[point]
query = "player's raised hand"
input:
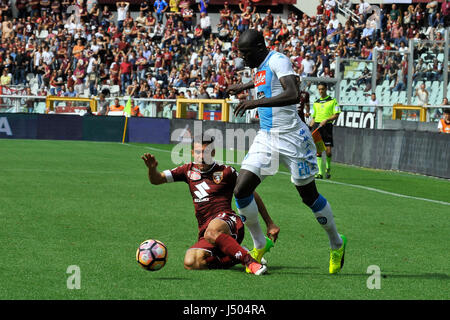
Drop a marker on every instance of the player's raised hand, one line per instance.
(150, 160)
(272, 232)
(234, 89)
(243, 106)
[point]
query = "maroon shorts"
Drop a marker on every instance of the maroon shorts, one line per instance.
(236, 226)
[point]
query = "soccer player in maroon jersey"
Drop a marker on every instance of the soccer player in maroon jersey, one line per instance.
(221, 230)
(303, 106)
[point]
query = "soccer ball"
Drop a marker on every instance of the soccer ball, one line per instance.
(151, 255)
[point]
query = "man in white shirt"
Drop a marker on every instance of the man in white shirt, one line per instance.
(217, 58)
(403, 48)
(47, 56)
(364, 8)
(378, 45)
(329, 7)
(122, 9)
(422, 95)
(334, 22)
(308, 66)
(373, 102)
(194, 58)
(205, 24)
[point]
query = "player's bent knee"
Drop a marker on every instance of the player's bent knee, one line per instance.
(239, 192)
(246, 183)
(195, 259)
(189, 262)
(308, 193)
(215, 228)
(211, 235)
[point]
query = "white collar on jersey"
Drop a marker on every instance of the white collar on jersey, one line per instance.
(267, 57)
(198, 170)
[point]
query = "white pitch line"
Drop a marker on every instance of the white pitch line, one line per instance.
(380, 191)
(348, 185)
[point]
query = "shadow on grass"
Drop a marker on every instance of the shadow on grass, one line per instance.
(342, 274)
(430, 276)
(303, 270)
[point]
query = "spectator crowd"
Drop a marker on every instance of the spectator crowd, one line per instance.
(75, 47)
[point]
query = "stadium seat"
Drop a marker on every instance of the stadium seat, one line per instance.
(378, 90)
(387, 111)
(86, 93)
(385, 84)
(105, 87)
(402, 98)
(352, 99)
(386, 98)
(394, 97)
(435, 86)
(114, 90)
(361, 66)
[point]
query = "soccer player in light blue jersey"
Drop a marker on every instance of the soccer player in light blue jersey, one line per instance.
(282, 137)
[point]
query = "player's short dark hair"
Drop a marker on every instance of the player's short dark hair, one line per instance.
(322, 84)
(253, 36)
(447, 110)
(204, 138)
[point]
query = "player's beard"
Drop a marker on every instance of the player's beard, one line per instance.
(203, 166)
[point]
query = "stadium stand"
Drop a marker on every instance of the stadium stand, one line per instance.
(89, 52)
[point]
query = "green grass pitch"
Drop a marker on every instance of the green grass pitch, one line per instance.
(89, 204)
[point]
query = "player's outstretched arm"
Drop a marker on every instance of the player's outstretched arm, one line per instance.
(272, 229)
(234, 89)
(290, 95)
(154, 175)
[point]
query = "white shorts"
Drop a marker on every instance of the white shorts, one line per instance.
(296, 150)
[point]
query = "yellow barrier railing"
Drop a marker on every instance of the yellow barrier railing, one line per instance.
(182, 105)
(50, 102)
(398, 110)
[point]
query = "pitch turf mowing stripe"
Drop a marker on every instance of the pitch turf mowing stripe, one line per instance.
(378, 190)
(342, 183)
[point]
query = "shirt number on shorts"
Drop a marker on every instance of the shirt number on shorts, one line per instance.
(303, 168)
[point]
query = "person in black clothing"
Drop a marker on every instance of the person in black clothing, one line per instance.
(21, 62)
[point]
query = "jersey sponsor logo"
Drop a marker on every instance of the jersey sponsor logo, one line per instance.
(194, 176)
(261, 95)
(218, 176)
(260, 78)
(201, 193)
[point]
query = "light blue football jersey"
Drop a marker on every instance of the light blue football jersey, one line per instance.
(267, 85)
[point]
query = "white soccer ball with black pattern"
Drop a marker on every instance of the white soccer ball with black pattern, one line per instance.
(151, 255)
